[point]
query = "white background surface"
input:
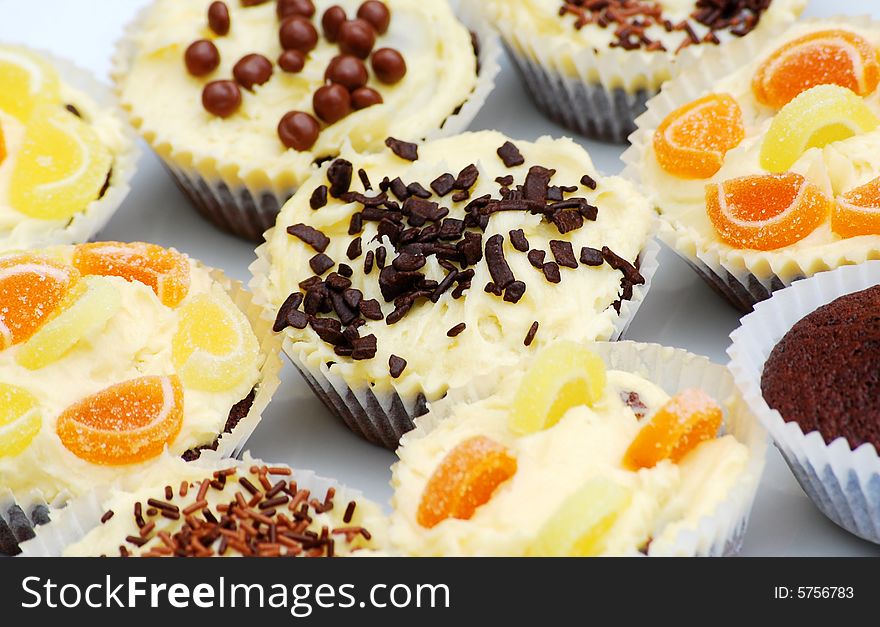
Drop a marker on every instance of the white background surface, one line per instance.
(680, 310)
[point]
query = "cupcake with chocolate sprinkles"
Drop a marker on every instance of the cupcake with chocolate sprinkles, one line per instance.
(224, 509)
(112, 354)
(592, 65)
(66, 155)
(263, 91)
(395, 276)
(582, 450)
(807, 364)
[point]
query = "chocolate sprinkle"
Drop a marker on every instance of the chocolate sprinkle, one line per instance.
(365, 180)
(339, 174)
(510, 155)
(291, 304)
(456, 330)
(589, 182)
(530, 336)
(354, 249)
(501, 273)
(630, 273)
(319, 198)
(536, 258)
(519, 241)
(404, 150)
(396, 366)
(311, 236)
(551, 272)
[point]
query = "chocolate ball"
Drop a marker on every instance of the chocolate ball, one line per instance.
(218, 18)
(333, 18)
(348, 71)
(298, 130)
(221, 98)
(332, 103)
(286, 8)
(292, 61)
(252, 69)
(377, 14)
(357, 37)
(388, 65)
(364, 97)
(201, 57)
(297, 33)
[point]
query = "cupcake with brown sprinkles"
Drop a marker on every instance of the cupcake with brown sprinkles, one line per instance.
(232, 509)
(592, 65)
(394, 276)
(262, 91)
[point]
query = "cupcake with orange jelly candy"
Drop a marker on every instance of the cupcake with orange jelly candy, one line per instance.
(598, 449)
(111, 354)
(762, 162)
(66, 157)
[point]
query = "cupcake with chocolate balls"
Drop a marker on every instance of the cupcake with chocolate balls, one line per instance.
(394, 276)
(263, 92)
(592, 66)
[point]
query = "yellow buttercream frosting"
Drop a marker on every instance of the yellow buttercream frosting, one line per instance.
(588, 443)
(135, 342)
(437, 48)
(579, 308)
(836, 169)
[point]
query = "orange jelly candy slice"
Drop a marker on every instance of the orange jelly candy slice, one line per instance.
(830, 57)
(164, 270)
(126, 423)
(858, 212)
(766, 212)
(686, 420)
(692, 141)
(465, 479)
(31, 289)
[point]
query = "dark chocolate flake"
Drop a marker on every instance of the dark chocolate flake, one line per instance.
(364, 348)
(519, 241)
(443, 184)
(310, 235)
(510, 155)
(356, 225)
(630, 273)
(467, 178)
(501, 273)
(320, 263)
(396, 366)
(318, 198)
(530, 336)
(404, 150)
(514, 292)
(371, 309)
(536, 258)
(551, 272)
(563, 253)
(456, 330)
(290, 304)
(354, 249)
(345, 270)
(588, 181)
(416, 189)
(339, 174)
(537, 182)
(591, 256)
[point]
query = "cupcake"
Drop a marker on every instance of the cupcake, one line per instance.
(395, 276)
(222, 509)
(582, 450)
(262, 92)
(806, 365)
(112, 354)
(761, 162)
(592, 66)
(66, 158)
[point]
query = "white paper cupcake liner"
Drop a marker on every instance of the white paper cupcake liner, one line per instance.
(598, 93)
(744, 277)
(843, 483)
(382, 418)
(78, 518)
(86, 225)
(674, 370)
(220, 190)
(21, 513)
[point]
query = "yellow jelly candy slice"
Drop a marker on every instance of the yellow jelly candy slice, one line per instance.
(2, 145)
(26, 81)
(214, 345)
(61, 168)
(20, 419)
(563, 375)
(96, 301)
(580, 525)
(818, 117)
